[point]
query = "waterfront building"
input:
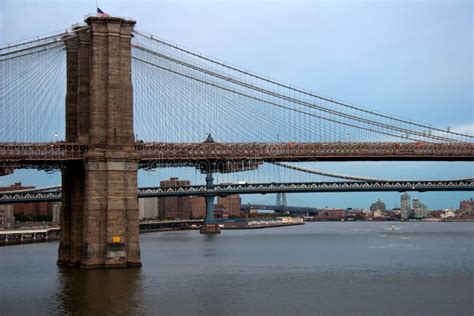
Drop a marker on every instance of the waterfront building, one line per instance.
(7, 219)
(330, 215)
(197, 206)
(230, 203)
(175, 206)
(378, 206)
(448, 213)
(420, 210)
(378, 214)
(405, 206)
(180, 207)
(148, 208)
(466, 207)
(56, 212)
(33, 209)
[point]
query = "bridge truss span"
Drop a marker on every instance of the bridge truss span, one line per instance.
(54, 194)
(306, 187)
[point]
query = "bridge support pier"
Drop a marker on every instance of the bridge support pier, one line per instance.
(210, 225)
(70, 246)
(99, 222)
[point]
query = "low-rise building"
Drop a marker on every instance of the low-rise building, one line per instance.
(378, 213)
(448, 213)
(330, 215)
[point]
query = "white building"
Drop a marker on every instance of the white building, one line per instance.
(448, 213)
(405, 206)
(148, 208)
(56, 212)
(379, 213)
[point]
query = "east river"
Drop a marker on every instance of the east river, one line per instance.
(327, 268)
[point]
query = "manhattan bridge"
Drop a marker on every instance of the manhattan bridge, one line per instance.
(119, 100)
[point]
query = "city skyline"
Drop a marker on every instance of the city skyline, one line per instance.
(310, 141)
(426, 68)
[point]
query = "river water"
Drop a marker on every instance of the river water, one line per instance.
(326, 268)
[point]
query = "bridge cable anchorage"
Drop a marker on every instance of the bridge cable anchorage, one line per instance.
(296, 90)
(403, 131)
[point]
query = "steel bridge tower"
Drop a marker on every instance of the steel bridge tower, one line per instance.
(281, 200)
(99, 222)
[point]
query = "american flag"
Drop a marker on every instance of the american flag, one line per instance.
(101, 13)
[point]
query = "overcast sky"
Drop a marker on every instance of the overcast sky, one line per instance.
(412, 59)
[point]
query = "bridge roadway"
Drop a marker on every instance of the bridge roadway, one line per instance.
(42, 155)
(259, 188)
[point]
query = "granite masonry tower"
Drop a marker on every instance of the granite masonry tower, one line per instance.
(99, 222)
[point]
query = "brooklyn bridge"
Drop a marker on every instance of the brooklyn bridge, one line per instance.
(134, 101)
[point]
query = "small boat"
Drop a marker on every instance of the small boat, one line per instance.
(394, 228)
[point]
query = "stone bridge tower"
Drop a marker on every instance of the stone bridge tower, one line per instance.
(99, 222)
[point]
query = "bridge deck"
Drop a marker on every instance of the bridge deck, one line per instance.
(35, 155)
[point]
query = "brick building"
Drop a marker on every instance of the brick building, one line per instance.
(466, 207)
(330, 215)
(175, 206)
(180, 207)
(230, 204)
(197, 206)
(36, 209)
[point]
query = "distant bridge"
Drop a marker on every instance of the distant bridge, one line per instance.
(54, 193)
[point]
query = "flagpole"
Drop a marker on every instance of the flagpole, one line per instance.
(96, 5)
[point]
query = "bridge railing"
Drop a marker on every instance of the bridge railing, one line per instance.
(41, 151)
(192, 153)
(292, 151)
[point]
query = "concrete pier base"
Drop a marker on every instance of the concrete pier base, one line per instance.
(210, 229)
